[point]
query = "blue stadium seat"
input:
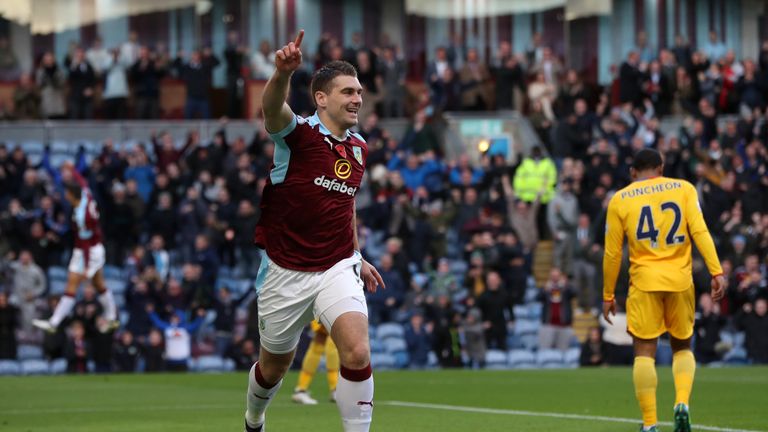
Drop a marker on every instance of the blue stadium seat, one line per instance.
(521, 312)
(9, 367)
(736, 356)
(209, 363)
(57, 287)
(393, 345)
(739, 338)
(535, 310)
(113, 272)
(59, 366)
(57, 273)
(530, 341)
(530, 294)
(378, 346)
(117, 286)
(402, 359)
(549, 358)
(390, 330)
(35, 367)
(29, 352)
(521, 359)
(459, 267)
(383, 361)
(229, 365)
(432, 361)
(572, 357)
(496, 359)
(527, 327)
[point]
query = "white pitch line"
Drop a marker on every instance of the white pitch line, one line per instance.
(542, 414)
(97, 409)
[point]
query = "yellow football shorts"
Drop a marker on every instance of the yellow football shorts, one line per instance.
(652, 313)
(317, 327)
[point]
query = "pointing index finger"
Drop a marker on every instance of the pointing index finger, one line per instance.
(299, 38)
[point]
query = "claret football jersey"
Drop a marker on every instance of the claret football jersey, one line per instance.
(308, 201)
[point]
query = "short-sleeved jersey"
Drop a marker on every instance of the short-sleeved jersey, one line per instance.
(308, 201)
(85, 217)
(659, 216)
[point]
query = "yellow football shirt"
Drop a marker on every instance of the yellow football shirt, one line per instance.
(659, 216)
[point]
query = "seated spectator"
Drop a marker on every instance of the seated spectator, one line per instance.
(619, 348)
(709, 323)
(101, 337)
(753, 320)
(556, 297)
(77, 349)
(593, 350)
(178, 338)
(153, 352)
(383, 303)
(9, 322)
(224, 324)
(543, 93)
(244, 354)
(418, 338)
(125, 354)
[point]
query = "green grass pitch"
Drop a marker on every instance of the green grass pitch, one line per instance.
(530, 400)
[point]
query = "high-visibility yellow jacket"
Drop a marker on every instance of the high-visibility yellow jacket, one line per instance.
(531, 176)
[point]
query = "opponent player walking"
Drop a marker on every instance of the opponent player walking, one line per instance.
(660, 216)
(321, 344)
(88, 255)
(311, 265)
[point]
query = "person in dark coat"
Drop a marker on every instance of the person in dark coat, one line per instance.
(709, 322)
(754, 322)
(493, 305)
(630, 80)
(125, 354)
(82, 80)
(196, 74)
(153, 352)
(593, 350)
(9, 322)
(418, 338)
(226, 310)
(77, 350)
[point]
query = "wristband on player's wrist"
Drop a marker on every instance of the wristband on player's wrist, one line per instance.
(608, 300)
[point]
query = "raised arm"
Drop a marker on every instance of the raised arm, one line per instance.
(277, 113)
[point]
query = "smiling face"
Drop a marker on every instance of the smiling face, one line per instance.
(341, 103)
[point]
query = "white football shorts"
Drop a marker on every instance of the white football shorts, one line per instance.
(96, 260)
(288, 299)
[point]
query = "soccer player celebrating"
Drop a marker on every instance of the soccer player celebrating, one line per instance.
(88, 255)
(311, 265)
(659, 216)
(321, 344)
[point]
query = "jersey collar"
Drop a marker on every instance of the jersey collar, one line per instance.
(315, 120)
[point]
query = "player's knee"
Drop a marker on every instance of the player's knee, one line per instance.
(357, 356)
(680, 344)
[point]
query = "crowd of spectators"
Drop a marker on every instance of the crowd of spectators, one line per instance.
(421, 215)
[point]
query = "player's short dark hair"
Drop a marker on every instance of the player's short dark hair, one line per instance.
(647, 159)
(74, 189)
(321, 80)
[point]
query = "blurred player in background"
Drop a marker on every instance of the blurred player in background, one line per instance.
(321, 344)
(311, 264)
(88, 255)
(659, 216)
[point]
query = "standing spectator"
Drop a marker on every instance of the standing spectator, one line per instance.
(474, 77)
(393, 82)
(50, 80)
(508, 76)
(245, 355)
(562, 215)
(196, 75)
(474, 338)
(544, 93)
(658, 89)
(234, 56)
(263, 61)
(28, 285)
(129, 50)
(178, 338)
(418, 338)
(207, 259)
(682, 52)
(145, 74)
(98, 56)
(82, 81)
(26, 99)
(593, 349)
(495, 314)
(709, 323)
(753, 320)
(556, 298)
(550, 66)
(630, 80)
(9, 63)
(714, 49)
(643, 49)
(584, 264)
(244, 226)
(77, 349)
(9, 322)
(101, 338)
(125, 354)
(115, 94)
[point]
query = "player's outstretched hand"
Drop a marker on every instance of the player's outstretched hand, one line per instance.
(371, 277)
(609, 308)
(719, 285)
(288, 58)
